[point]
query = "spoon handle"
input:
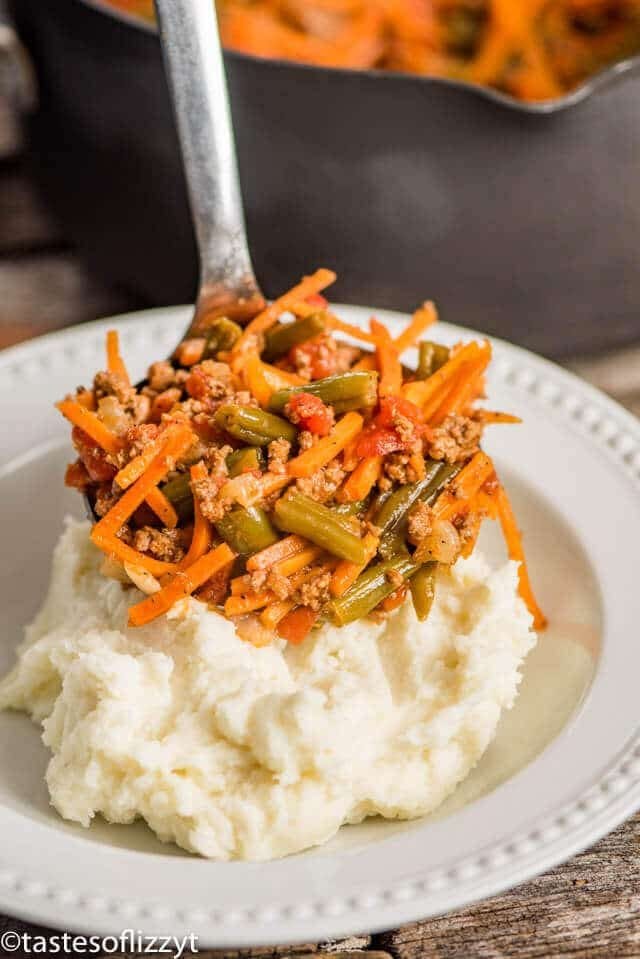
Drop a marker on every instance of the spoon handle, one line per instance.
(195, 71)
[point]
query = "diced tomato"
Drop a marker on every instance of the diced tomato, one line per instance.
(198, 384)
(297, 624)
(317, 299)
(76, 476)
(393, 406)
(93, 458)
(215, 589)
(378, 441)
(310, 413)
(316, 355)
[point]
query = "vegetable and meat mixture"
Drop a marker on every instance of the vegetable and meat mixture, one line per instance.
(531, 49)
(285, 475)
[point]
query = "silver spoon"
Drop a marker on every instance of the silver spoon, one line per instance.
(195, 71)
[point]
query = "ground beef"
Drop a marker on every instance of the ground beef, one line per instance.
(210, 380)
(161, 376)
(346, 356)
(398, 468)
(408, 432)
(278, 455)
(207, 491)
(112, 384)
(165, 544)
(216, 458)
(315, 592)
(420, 523)
(306, 440)
(324, 482)
(280, 585)
(139, 437)
(106, 497)
(456, 439)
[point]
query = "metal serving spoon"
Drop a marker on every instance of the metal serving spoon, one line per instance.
(195, 71)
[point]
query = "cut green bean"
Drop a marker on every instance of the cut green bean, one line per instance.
(247, 531)
(431, 356)
(221, 335)
(371, 588)
(281, 338)
(345, 391)
(178, 492)
(393, 516)
(423, 590)
(244, 460)
(350, 509)
(253, 426)
(297, 513)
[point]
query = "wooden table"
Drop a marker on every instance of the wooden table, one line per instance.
(588, 908)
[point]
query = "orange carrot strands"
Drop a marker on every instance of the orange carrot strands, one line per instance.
(293, 564)
(360, 483)
(201, 537)
(346, 573)
(492, 416)
(274, 612)
(313, 459)
(388, 361)
(515, 548)
(396, 599)
(115, 363)
(181, 585)
(114, 547)
(176, 445)
(423, 391)
(367, 362)
(283, 549)
(465, 388)
(136, 467)
(422, 319)
(457, 495)
(161, 506)
(241, 605)
(256, 381)
(87, 421)
(296, 625)
(260, 323)
(280, 379)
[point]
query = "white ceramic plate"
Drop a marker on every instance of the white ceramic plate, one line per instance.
(564, 769)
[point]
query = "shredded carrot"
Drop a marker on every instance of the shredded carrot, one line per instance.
(115, 363)
(293, 564)
(283, 549)
(423, 392)
(313, 459)
(421, 320)
(191, 351)
(362, 480)
(136, 467)
(346, 573)
(261, 323)
(175, 446)
(367, 362)
(457, 495)
(181, 585)
(297, 624)
(515, 548)
(274, 612)
(201, 537)
(256, 381)
(87, 421)
(417, 464)
(241, 605)
(114, 547)
(280, 379)
(388, 361)
(464, 388)
(395, 600)
(492, 416)
(161, 506)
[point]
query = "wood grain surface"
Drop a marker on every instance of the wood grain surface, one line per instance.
(588, 908)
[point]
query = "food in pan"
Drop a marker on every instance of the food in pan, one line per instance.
(279, 621)
(530, 49)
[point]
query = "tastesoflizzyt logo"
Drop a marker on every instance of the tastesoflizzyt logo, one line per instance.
(130, 941)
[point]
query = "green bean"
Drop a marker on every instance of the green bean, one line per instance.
(245, 459)
(344, 391)
(178, 492)
(370, 588)
(423, 590)
(431, 356)
(221, 335)
(297, 513)
(247, 531)
(253, 426)
(350, 509)
(394, 514)
(281, 338)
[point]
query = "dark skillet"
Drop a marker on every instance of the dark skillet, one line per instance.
(521, 221)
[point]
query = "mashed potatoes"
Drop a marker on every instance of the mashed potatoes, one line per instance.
(238, 752)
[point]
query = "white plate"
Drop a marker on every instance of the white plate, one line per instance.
(564, 769)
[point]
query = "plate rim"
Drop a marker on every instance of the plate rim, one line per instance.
(598, 808)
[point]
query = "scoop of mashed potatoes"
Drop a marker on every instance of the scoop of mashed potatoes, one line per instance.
(234, 751)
